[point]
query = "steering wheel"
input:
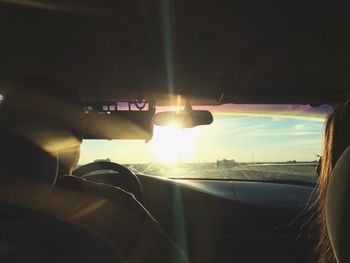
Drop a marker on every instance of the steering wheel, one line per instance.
(121, 177)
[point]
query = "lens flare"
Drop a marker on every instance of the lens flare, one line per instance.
(173, 144)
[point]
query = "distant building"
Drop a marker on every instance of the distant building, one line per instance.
(226, 163)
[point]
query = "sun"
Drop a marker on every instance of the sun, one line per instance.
(173, 144)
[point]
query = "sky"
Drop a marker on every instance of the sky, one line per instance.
(243, 133)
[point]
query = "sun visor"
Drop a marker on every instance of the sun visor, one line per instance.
(284, 87)
(131, 120)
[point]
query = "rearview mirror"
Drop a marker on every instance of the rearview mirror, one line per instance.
(187, 118)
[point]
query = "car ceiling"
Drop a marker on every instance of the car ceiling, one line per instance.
(208, 51)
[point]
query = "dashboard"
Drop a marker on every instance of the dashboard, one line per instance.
(256, 193)
(234, 221)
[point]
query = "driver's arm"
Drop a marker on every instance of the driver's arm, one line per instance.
(116, 215)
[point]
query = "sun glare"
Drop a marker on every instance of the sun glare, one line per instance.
(173, 144)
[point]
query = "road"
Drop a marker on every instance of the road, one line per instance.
(281, 171)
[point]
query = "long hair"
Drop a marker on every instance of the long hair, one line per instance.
(336, 139)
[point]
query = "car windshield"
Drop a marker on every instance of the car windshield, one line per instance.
(244, 142)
